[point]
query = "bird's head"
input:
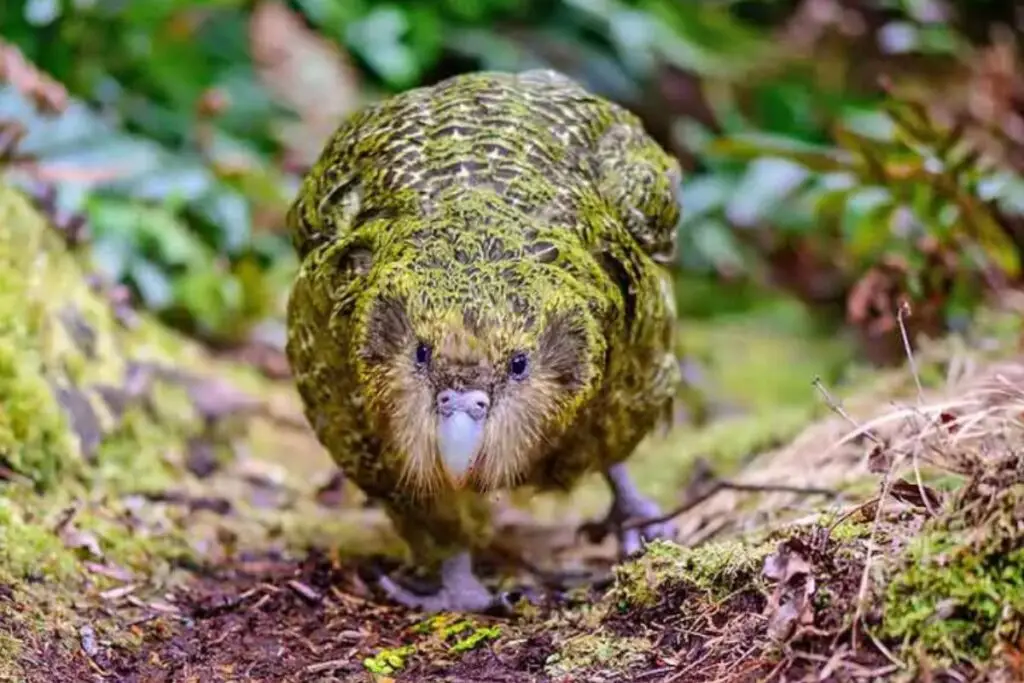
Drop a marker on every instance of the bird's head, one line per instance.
(471, 370)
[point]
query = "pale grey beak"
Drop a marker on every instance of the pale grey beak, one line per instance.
(460, 429)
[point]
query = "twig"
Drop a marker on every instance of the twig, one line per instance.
(838, 409)
(678, 675)
(885, 651)
(326, 666)
(144, 619)
(305, 592)
(783, 488)
(722, 485)
(850, 513)
(920, 484)
(866, 574)
(901, 314)
(228, 605)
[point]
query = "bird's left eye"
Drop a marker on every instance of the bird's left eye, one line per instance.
(518, 366)
(422, 354)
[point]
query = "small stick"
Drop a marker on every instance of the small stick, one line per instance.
(721, 485)
(326, 666)
(850, 513)
(305, 592)
(865, 577)
(901, 315)
(838, 409)
(784, 488)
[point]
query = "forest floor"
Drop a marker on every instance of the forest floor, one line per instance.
(865, 532)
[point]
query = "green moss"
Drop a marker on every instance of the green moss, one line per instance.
(959, 590)
(850, 531)
(603, 651)
(475, 638)
(10, 650)
(32, 432)
(389, 661)
(955, 603)
(56, 332)
(456, 633)
(716, 569)
(31, 548)
(132, 456)
(791, 352)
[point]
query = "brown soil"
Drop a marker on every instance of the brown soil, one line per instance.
(273, 619)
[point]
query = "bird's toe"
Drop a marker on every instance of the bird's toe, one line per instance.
(462, 597)
(630, 542)
(660, 531)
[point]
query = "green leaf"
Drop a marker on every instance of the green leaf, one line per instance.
(747, 147)
(867, 221)
(716, 243)
(862, 206)
(767, 183)
(112, 255)
(153, 284)
(230, 213)
(379, 38)
(704, 194)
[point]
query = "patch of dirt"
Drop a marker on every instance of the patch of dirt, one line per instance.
(270, 619)
(743, 636)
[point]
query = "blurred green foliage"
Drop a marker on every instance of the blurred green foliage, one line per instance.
(190, 123)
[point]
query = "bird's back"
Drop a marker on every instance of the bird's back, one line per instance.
(527, 138)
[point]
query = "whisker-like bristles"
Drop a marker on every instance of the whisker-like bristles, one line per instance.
(414, 434)
(514, 432)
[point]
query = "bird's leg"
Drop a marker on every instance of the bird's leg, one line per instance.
(461, 590)
(627, 503)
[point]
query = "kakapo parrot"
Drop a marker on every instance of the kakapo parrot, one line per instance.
(482, 304)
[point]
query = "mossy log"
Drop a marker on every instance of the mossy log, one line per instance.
(125, 449)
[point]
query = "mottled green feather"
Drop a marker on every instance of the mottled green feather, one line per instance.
(508, 204)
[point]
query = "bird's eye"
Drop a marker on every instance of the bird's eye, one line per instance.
(518, 366)
(422, 354)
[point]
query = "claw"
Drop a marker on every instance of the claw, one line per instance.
(461, 591)
(628, 503)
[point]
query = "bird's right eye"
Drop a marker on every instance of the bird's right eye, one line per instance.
(422, 354)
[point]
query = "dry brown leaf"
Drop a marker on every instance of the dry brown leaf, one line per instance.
(306, 73)
(879, 460)
(917, 495)
(111, 571)
(48, 95)
(74, 539)
(118, 592)
(789, 606)
(784, 565)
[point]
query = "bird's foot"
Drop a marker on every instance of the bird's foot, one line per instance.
(461, 591)
(629, 505)
(631, 540)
